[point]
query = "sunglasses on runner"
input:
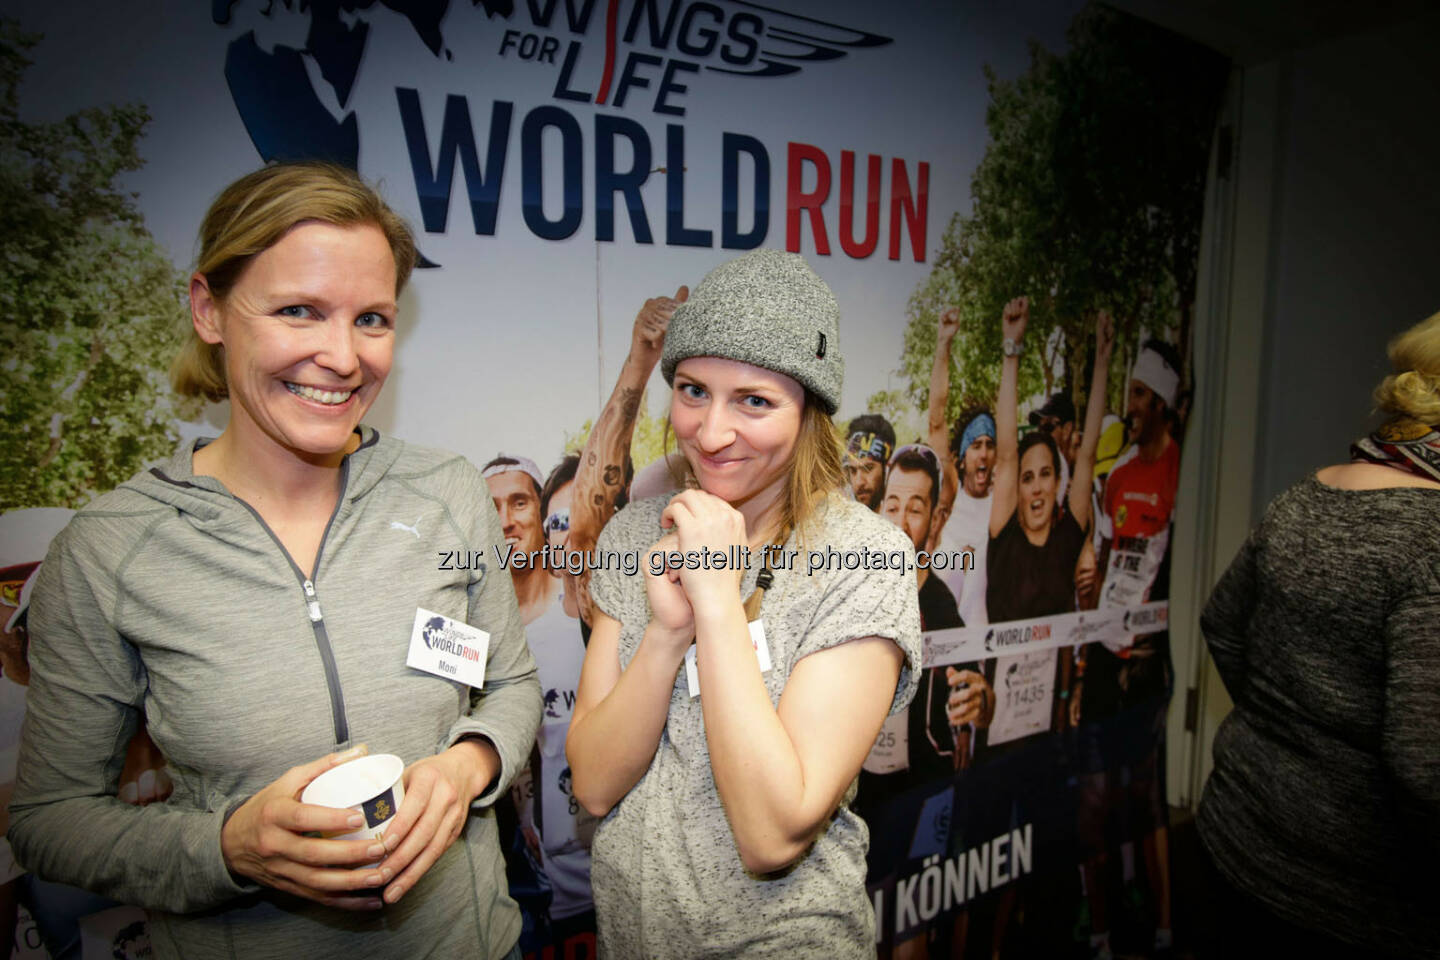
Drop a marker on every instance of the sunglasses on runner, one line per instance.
(558, 522)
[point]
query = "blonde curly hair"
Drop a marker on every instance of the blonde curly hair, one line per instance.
(1413, 390)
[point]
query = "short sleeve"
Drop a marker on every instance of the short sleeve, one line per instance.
(879, 602)
(629, 531)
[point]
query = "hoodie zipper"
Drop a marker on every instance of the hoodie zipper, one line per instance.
(327, 657)
(312, 607)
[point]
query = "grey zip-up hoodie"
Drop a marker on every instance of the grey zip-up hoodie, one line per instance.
(171, 596)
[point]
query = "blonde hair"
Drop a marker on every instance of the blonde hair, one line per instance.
(817, 467)
(1414, 389)
(252, 215)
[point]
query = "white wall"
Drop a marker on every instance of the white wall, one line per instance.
(1326, 243)
(1355, 238)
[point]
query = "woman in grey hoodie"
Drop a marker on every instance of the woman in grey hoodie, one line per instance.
(256, 597)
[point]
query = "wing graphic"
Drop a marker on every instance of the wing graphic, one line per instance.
(791, 40)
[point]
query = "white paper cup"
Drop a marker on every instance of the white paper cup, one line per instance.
(368, 785)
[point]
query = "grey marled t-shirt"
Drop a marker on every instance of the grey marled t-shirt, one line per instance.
(666, 872)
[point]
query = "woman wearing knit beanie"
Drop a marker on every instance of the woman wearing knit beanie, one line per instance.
(731, 691)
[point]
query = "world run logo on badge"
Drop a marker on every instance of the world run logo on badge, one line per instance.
(439, 637)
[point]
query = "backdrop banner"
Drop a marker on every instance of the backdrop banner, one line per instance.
(1006, 200)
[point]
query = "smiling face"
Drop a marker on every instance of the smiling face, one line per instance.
(907, 503)
(867, 479)
(309, 335)
(737, 425)
(979, 460)
(1037, 487)
(518, 503)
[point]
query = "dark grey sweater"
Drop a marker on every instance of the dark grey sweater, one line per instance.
(1325, 799)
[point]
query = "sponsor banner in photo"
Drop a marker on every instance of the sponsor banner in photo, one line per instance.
(1113, 626)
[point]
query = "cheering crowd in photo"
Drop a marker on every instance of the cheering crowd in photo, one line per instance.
(1068, 516)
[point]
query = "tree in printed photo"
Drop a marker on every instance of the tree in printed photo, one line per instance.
(1090, 195)
(91, 310)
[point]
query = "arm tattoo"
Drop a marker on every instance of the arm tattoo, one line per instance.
(629, 405)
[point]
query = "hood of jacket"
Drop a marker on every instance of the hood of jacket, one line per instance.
(204, 498)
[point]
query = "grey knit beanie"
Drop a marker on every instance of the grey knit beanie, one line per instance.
(767, 308)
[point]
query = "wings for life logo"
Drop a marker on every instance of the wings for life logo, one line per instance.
(649, 46)
(652, 45)
(559, 703)
(630, 55)
(565, 781)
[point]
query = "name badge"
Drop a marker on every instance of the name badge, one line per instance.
(757, 640)
(448, 648)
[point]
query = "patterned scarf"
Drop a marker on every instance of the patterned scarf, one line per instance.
(1405, 443)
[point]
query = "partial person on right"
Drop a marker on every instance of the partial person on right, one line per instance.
(1322, 816)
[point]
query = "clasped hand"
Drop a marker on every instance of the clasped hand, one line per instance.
(700, 525)
(265, 839)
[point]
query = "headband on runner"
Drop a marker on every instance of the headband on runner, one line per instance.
(868, 445)
(524, 464)
(981, 425)
(1152, 370)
